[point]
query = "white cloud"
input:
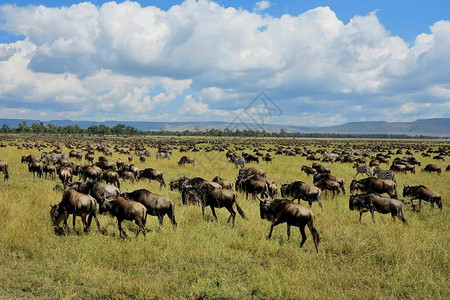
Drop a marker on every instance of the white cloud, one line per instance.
(261, 5)
(122, 60)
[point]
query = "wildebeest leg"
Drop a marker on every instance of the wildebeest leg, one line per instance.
(320, 204)
(121, 231)
(275, 223)
(246, 195)
(83, 220)
(66, 216)
(214, 212)
(232, 214)
(373, 215)
(160, 219)
(73, 220)
(288, 231)
(140, 228)
(360, 215)
(302, 232)
(420, 204)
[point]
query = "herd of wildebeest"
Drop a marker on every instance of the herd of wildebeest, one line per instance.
(97, 188)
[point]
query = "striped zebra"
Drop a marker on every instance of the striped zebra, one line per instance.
(384, 174)
(361, 169)
(238, 161)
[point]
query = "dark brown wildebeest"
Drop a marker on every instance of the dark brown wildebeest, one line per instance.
(98, 190)
(30, 159)
(246, 172)
(65, 175)
(226, 184)
(398, 168)
(374, 185)
(375, 202)
(280, 211)
(186, 160)
(268, 158)
(439, 157)
(421, 192)
(320, 169)
(300, 190)
(218, 198)
(50, 170)
(91, 172)
(128, 175)
(328, 185)
(112, 177)
(309, 170)
(156, 205)
(374, 163)
(126, 209)
(253, 187)
(142, 158)
(89, 157)
(432, 168)
(152, 174)
(76, 204)
(36, 168)
(448, 168)
(319, 177)
(4, 169)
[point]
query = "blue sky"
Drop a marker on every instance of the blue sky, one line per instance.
(322, 62)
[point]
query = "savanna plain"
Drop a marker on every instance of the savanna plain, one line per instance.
(205, 259)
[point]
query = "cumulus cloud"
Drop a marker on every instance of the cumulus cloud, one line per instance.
(200, 59)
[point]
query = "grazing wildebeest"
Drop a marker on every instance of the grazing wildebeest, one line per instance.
(244, 173)
(320, 169)
(308, 170)
(421, 192)
(128, 175)
(300, 190)
(4, 169)
(156, 205)
(398, 168)
(328, 185)
(319, 177)
(226, 184)
(152, 174)
(91, 172)
(186, 160)
(76, 204)
(30, 159)
(112, 177)
(218, 198)
(253, 187)
(432, 168)
(126, 209)
(36, 168)
(375, 185)
(99, 190)
(374, 202)
(280, 211)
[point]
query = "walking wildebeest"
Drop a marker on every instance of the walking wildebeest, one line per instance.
(421, 192)
(156, 205)
(226, 184)
(4, 169)
(65, 175)
(76, 204)
(308, 170)
(50, 169)
(375, 185)
(218, 198)
(320, 169)
(374, 202)
(328, 185)
(152, 174)
(186, 160)
(125, 209)
(36, 168)
(112, 177)
(319, 177)
(280, 211)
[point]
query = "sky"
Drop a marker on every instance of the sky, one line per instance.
(319, 63)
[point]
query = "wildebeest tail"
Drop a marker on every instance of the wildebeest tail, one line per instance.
(144, 211)
(172, 217)
(118, 182)
(403, 217)
(239, 209)
(6, 173)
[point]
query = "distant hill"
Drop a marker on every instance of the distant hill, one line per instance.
(439, 127)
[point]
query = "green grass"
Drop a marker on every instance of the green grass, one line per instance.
(211, 260)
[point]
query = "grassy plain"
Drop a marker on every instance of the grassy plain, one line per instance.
(208, 260)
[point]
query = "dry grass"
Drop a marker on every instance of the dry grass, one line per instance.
(209, 260)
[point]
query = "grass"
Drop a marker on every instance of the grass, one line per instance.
(210, 260)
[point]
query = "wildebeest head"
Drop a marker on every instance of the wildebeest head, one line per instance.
(407, 190)
(174, 184)
(351, 202)
(106, 205)
(284, 190)
(56, 215)
(266, 206)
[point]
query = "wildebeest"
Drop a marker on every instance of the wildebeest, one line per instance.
(320, 169)
(50, 170)
(152, 174)
(157, 205)
(186, 160)
(246, 172)
(300, 190)
(76, 204)
(4, 169)
(308, 170)
(421, 192)
(91, 172)
(65, 175)
(375, 185)
(36, 168)
(99, 190)
(251, 186)
(125, 209)
(226, 184)
(112, 177)
(432, 168)
(374, 202)
(340, 181)
(30, 159)
(280, 211)
(328, 185)
(218, 198)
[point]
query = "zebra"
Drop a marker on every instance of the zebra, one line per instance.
(238, 161)
(384, 174)
(163, 155)
(53, 157)
(361, 169)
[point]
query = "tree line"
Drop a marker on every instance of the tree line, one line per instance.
(124, 130)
